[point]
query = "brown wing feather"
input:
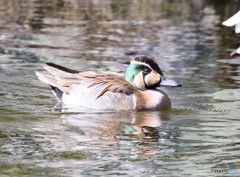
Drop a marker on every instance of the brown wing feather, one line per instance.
(113, 83)
(104, 91)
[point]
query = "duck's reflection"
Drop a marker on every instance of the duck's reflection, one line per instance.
(137, 132)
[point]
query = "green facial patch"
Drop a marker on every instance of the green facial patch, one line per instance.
(131, 71)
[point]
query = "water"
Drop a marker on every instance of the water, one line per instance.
(199, 133)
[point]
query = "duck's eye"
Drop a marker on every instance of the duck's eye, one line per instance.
(146, 70)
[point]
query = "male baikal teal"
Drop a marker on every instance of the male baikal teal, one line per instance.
(138, 89)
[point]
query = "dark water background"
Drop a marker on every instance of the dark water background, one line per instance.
(200, 132)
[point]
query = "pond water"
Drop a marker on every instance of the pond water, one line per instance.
(201, 131)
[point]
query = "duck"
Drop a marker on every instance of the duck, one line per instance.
(137, 89)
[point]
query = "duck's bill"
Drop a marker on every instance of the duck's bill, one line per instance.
(170, 83)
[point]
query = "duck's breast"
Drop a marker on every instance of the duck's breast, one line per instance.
(152, 100)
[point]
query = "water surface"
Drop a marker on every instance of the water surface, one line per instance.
(187, 40)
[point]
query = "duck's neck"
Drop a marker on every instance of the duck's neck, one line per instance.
(151, 100)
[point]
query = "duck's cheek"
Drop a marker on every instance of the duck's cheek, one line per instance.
(138, 81)
(152, 78)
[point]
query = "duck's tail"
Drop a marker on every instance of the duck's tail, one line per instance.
(52, 82)
(58, 74)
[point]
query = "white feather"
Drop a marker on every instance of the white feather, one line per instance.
(238, 50)
(237, 28)
(234, 20)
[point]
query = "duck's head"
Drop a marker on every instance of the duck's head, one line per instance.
(144, 73)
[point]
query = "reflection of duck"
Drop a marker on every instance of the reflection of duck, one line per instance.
(135, 132)
(234, 21)
(137, 90)
(128, 132)
(115, 125)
